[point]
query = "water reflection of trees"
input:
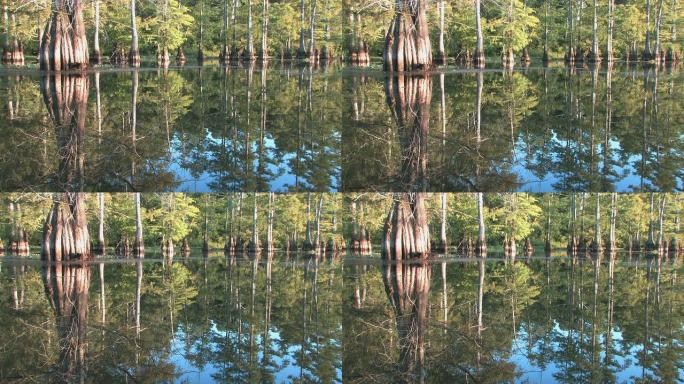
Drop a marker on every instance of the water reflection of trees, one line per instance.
(309, 129)
(579, 320)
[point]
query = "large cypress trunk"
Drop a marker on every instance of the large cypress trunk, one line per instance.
(64, 45)
(65, 233)
(406, 233)
(407, 44)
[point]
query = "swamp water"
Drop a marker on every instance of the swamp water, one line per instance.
(290, 318)
(341, 129)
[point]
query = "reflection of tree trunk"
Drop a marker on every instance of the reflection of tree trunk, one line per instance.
(409, 99)
(407, 287)
(138, 294)
(66, 286)
(66, 98)
(407, 43)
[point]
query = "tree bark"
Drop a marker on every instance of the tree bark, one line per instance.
(248, 54)
(597, 246)
(648, 50)
(134, 54)
(443, 242)
(64, 45)
(263, 53)
(100, 246)
(65, 232)
(139, 245)
(313, 51)
(610, 54)
(96, 56)
(441, 57)
(255, 245)
(595, 53)
(407, 43)
(478, 56)
(481, 246)
(406, 230)
(301, 52)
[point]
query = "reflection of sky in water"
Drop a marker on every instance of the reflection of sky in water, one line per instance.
(280, 182)
(287, 364)
(625, 179)
(530, 373)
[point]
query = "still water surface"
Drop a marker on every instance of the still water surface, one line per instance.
(294, 319)
(341, 128)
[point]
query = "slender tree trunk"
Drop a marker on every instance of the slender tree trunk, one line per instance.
(672, 51)
(659, 56)
(479, 57)
(248, 55)
(612, 241)
(313, 51)
(545, 55)
(263, 54)
(139, 246)
(255, 245)
(661, 221)
(407, 43)
(271, 218)
(610, 54)
(319, 210)
(441, 55)
(650, 242)
(570, 33)
(308, 242)
(234, 52)
(64, 45)
(200, 40)
(444, 245)
(648, 51)
(326, 52)
(224, 56)
(134, 54)
(595, 53)
(598, 241)
(481, 246)
(6, 54)
(101, 247)
(301, 52)
(96, 56)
